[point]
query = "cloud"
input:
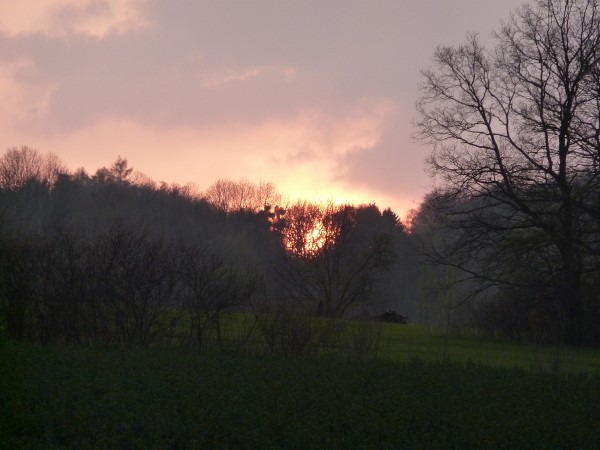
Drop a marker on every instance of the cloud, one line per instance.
(390, 165)
(323, 88)
(64, 17)
(201, 62)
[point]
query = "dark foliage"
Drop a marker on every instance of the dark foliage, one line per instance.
(116, 258)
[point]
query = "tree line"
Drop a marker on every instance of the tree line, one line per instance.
(114, 257)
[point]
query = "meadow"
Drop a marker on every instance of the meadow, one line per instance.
(403, 343)
(424, 390)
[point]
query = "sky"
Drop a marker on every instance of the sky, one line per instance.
(317, 97)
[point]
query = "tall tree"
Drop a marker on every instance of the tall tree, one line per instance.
(118, 173)
(334, 254)
(516, 149)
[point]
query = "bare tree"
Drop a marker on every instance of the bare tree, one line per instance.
(136, 280)
(18, 166)
(231, 196)
(515, 135)
(211, 288)
(17, 292)
(333, 255)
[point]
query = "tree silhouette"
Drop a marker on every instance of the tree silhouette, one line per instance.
(334, 255)
(516, 149)
(19, 166)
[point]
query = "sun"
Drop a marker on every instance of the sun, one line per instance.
(315, 238)
(306, 243)
(310, 228)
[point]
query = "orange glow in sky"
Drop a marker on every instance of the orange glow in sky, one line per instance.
(316, 97)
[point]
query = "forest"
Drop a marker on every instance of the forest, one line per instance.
(115, 257)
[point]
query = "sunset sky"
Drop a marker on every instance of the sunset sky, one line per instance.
(315, 96)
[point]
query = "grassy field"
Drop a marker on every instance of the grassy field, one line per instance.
(405, 342)
(67, 397)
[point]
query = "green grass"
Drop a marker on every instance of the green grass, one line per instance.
(425, 389)
(404, 342)
(61, 397)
